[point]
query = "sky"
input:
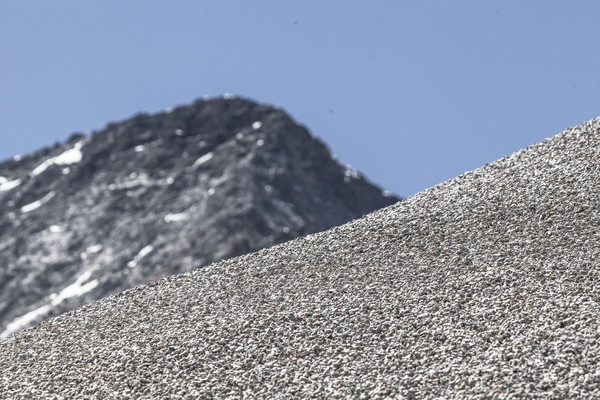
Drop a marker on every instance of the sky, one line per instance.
(410, 93)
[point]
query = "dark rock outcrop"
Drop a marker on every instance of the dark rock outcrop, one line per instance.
(161, 194)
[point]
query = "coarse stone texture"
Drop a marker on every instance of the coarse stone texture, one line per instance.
(161, 194)
(485, 286)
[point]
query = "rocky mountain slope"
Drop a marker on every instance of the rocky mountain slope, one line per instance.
(161, 194)
(485, 286)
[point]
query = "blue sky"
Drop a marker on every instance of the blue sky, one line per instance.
(411, 93)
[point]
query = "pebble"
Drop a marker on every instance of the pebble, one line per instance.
(485, 286)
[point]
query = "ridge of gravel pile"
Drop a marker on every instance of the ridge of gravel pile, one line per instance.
(485, 286)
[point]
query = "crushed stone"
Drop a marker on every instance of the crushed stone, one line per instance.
(485, 286)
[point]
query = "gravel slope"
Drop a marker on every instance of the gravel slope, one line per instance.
(485, 286)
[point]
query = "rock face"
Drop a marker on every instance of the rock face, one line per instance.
(162, 194)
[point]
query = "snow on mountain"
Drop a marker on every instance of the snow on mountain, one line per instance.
(160, 194)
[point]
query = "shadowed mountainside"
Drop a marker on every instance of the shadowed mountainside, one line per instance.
(161, 194)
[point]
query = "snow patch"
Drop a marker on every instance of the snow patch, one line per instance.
(71, 156)
(349, 172)
(94, 249)
(37, 204)
(24, 320)
(6, 185)
(140, 148)
(31, 206)
(143, 253)
(176, 217)
(42, 167)
(260, 142)
(17, 158)
(256, 125)
(136, 180)
(55, 229)
(227, 96)
(211, 191)
(204, 158)
(77, 288)
(179, 132)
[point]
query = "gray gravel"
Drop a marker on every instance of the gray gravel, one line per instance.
(485, 286)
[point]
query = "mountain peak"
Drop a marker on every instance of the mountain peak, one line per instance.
(161, 194)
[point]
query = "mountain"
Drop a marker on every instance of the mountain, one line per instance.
(485, 286)
(162, 194)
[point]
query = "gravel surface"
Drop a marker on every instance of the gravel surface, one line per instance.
(485, 286)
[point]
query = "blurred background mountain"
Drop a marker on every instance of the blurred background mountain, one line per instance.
(161, 194)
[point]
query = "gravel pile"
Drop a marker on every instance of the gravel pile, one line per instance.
(485, 286)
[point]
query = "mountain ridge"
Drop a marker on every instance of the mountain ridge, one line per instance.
(159, 194)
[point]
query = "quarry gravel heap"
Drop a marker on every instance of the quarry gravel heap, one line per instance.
(485, 286)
